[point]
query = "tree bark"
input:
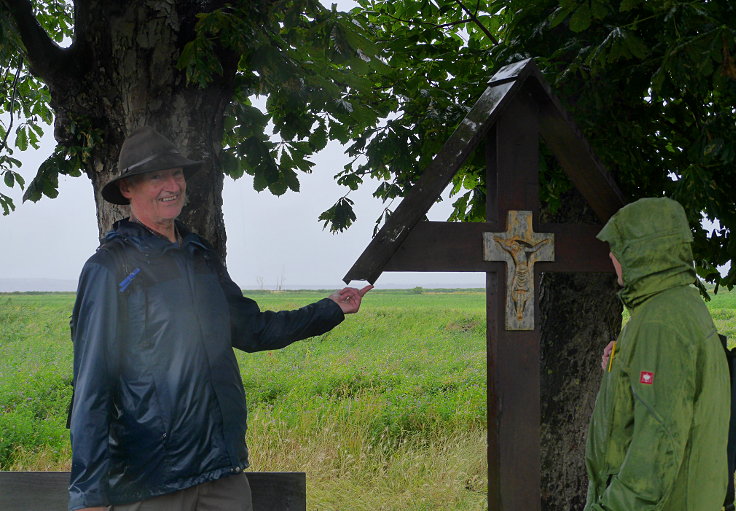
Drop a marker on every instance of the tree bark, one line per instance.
(580, 314)
(142, 86)
(120, 73)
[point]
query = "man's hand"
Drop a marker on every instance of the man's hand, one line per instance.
(349, 298)
(606, 355)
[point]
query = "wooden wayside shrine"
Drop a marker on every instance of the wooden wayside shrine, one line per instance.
(511, 247)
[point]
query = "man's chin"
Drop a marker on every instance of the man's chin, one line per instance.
(171, 212)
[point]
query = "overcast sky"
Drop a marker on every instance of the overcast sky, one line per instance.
(272, 241)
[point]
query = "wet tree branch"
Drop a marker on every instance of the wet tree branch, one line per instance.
(475, 20)
(45, 58)
(13, 95)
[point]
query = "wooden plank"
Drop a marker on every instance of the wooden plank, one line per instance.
(516, 185)
(34, 491)
(458, 246)
(495, 292)
(47, 491)
(437, 175)
(278, 491)
(514, 410)
(443, 246)
(577, 249)
(574, 154)
(513, 377)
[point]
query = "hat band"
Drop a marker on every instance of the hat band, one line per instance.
(148, 160)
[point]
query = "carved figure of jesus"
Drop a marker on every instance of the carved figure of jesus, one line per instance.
(522, 253)
(520, 247)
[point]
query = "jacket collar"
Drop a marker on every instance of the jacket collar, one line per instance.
(147, 242)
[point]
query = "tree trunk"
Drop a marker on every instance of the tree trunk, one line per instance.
(122, 74)
(580, 314)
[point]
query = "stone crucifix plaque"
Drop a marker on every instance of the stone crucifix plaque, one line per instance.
(520, 247)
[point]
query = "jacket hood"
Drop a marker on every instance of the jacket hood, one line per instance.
(651, 239)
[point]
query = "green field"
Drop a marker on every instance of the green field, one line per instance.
(386, 412)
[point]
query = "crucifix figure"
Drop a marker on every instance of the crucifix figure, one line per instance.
(507, 121)
(520, 247)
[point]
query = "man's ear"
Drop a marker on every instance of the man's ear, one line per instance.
(124, 187)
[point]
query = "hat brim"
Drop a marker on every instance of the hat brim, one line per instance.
(111, 191)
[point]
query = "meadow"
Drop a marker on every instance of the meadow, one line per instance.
(386, 412)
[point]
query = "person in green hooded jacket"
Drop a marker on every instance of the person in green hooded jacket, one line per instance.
(658, 433)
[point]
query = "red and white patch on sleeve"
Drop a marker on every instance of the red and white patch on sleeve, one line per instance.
(646, 378)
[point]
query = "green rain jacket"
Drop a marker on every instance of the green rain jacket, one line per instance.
(658, 434)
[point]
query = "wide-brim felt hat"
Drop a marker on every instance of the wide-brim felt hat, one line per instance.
(145, 150)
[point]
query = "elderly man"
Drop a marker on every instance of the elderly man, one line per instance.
(658, 433)
(159, 417)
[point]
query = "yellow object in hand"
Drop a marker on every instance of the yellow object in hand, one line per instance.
(610, 359)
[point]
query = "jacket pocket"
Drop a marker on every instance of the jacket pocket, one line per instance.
(136, 319)
(138, 433)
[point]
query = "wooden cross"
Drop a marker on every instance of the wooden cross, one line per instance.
(516, 108)
(520, 247)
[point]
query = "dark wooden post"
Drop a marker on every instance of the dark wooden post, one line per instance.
(513, 355)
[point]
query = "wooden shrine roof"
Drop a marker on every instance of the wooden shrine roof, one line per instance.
(557, 129)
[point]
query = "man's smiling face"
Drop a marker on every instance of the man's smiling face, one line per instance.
(156, 197)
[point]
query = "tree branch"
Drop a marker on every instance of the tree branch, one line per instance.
(475, 20)
(4, 143)
(472, 19)
(81, 20)
(420, 22)
(45, 58)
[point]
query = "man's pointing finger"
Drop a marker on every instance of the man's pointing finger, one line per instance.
(363, 291)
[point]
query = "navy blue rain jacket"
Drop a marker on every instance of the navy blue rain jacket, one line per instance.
(158, 403)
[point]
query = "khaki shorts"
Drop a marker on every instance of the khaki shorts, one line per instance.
(230, 493)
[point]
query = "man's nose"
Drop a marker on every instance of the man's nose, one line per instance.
(173, 183)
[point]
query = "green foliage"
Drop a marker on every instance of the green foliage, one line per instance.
(33, 415)
(651, 84)
(309, 61)
(34, 379)
(25, 111)
(340, 215)
(437, 53)
(65, 160)
(418, 359)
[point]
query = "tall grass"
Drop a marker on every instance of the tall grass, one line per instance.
(35, 381)
(387, 411)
